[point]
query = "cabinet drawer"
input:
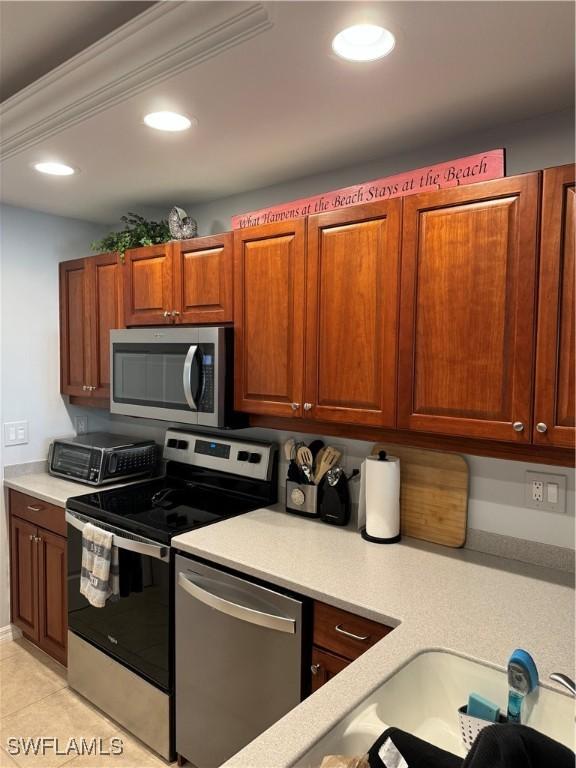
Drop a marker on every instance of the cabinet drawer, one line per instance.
(334, 630)
(38, 512)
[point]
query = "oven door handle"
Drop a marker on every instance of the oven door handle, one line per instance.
(238, 611)
(187, 376)
(133, 545)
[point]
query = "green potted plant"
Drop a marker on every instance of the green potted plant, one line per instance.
(136, 233)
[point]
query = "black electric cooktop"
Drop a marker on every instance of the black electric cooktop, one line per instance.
(162, 508)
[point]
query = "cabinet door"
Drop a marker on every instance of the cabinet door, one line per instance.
(324, 667)
(52, 597)
(106, 313)
(24, 576)
(352, 314)
(148, 286)
(467, 310)
(74, 329)
(203, 274)
(555, 362)
(269, 265)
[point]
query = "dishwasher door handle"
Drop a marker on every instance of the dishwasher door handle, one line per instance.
(238, 611)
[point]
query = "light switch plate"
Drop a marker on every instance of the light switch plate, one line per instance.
(541, 490)
(15, 433)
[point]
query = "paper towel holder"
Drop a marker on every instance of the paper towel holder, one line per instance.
(377, 539)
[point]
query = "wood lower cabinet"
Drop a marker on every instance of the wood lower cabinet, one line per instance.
(52, 594)
(467, 310)
(90, 307)
(339, 637)
(554, 416)
(269, 266)
(325, 666)
(24, 576)
(352, 278)
(38, 573)
(149, 285)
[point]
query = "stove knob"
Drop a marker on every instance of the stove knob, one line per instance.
(243, 455)
(255, 458)
(172, 443)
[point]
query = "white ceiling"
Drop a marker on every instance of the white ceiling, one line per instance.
(37, 36)
(272, 101)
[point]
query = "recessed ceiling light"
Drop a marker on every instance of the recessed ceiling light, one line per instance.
(167, 121)
(54, 169)
(363, 42)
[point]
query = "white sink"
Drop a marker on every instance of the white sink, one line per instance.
(423, 698)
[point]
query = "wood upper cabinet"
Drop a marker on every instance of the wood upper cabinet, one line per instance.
(203, 271)
(352, 279)
(149, 285)
(269, 266)
(74, 328)
(24, 576)
(554, 418)
(106, 312)
(90, 306)
(467, 313)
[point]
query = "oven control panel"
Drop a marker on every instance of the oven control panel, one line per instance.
(238, 457)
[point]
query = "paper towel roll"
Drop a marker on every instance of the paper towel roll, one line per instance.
(382, 483)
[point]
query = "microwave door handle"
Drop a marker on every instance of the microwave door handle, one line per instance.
(133, 545)
(187, 377)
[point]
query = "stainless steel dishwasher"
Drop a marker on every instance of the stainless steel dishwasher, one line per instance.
(238, 660)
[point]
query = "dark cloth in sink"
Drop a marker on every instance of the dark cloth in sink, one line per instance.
(506, 745)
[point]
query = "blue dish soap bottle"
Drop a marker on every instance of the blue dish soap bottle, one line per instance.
(522, 680)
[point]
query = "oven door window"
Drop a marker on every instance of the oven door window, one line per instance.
(133, 628)
(71, 460)
(152, 375)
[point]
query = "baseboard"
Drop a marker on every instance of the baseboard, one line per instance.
(9, 632)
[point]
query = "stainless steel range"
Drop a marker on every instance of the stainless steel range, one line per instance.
(121, 656)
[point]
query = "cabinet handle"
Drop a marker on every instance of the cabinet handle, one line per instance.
(541, 427)
(166, 313)
(84, 387)
(175, 313)
(342, 631)
(518, 426)
(294, 406)
(307, 406)
(34, 509)
(31, 537)
(315, 668)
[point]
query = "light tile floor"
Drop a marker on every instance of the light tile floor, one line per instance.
(35, 701)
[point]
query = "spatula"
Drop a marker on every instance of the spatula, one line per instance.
(330, 457)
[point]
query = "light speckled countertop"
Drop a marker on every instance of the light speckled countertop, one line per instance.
(54, 490)
(477, 605)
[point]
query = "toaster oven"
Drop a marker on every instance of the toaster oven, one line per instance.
(97, 458)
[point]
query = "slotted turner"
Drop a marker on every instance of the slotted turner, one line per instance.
(330, 456)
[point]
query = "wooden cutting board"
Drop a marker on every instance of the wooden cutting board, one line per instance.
(433, 494)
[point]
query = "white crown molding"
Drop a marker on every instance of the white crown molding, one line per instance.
(163, 41)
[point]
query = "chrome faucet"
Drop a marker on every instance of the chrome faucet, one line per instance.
(564, 680)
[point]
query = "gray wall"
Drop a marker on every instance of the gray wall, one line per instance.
(31, 245)
(530, 145)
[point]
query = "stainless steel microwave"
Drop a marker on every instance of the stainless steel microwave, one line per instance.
(181, 375)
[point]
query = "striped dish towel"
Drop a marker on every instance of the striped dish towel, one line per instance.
(99, 579)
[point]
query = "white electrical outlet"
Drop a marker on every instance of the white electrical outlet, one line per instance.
(81, 424)
(15, 433)
(537, 490)
(546, 492)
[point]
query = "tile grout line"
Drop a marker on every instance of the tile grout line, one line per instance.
(32, 703)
